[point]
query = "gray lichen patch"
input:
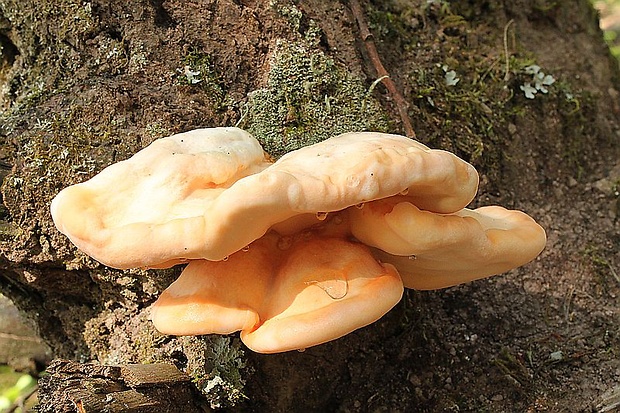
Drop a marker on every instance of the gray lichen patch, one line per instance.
(308, 98)
(218, 371)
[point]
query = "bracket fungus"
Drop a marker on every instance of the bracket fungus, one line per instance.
(281, 296)
(296, 252)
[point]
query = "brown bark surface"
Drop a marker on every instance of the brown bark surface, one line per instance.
(86, 84)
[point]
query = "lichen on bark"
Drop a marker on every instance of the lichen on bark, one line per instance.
(308, 98)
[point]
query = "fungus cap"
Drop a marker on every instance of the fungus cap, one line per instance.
(216, 297)
(434, 251)
(270, 245)
(206, 194)
(281, 298)
(357, 167)
(148, 210)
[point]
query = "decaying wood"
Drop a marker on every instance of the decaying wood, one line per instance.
(72, 387)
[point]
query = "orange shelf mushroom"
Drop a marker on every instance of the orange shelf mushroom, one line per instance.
(282, 295)
(433, 251)
(158, 196)
(208, 193)
(297, 252)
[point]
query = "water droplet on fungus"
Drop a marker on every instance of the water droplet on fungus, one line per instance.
(360, 205)
(336, 289)
(404, 191)
(321, 216)
(246, 248)
(413, 257)
(225, 258)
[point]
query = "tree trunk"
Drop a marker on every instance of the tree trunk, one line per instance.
(86, 84)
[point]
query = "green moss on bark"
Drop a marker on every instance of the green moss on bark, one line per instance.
(309, 98)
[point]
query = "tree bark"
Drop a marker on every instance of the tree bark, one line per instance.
(86, 84)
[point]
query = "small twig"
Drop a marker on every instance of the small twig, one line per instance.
(613, 272)
(507, 72)
(369, 92)
(367, 37)
(376, 82)
(567, 303)
(22, 400)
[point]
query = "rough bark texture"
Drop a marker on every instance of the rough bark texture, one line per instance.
(85, 84)
(136, 388)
